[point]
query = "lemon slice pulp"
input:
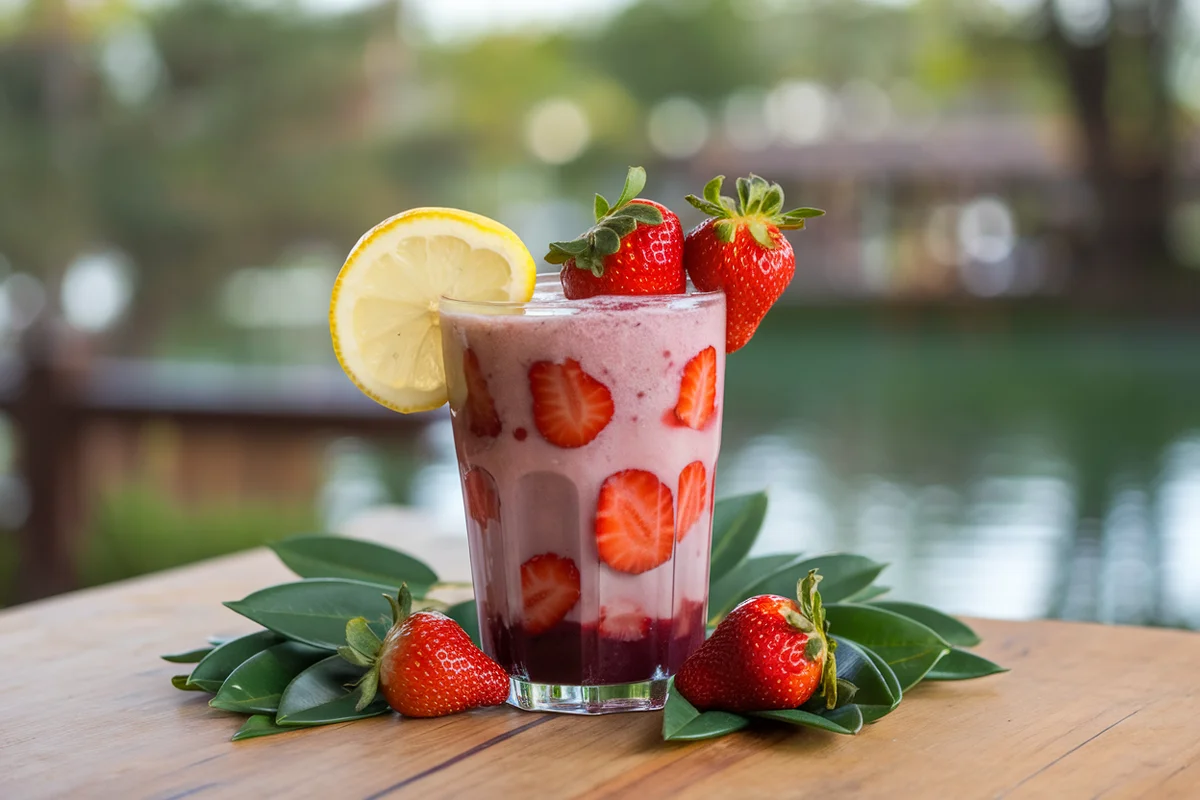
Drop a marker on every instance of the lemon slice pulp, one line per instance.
(383, 315)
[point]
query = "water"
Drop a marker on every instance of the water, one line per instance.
(1016, 466)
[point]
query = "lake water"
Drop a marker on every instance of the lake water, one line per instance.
(1012, 466)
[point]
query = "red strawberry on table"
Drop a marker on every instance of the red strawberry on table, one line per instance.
(635, 521)
(743, 251)
(549, 590)
(698, 389)
(635, 247)
(692, 497)
(570, 407)
(426, 666)
(480, 409)
(768, 654)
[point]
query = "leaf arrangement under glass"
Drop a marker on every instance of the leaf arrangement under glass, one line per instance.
(289, 675)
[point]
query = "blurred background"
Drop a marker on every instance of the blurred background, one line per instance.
(987, 370)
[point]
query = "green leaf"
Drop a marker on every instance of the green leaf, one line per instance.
(944, 625)
(682, 722)
(605, 242)
(847, 720)
(736, 521)
(877, 693)
(257, 684)
(804, 213)
(574, 247)
(601, 206)
(354, 559)
(711, 209)
(189, 657)
(620, 224)
(961, 665)
(731, 588)
(758, 229)
(867, 594)
(725, 230)
(322, 694)
(258, 725)
(361, 638)
(635, 181)
(772, 201)
(647, 215)
(215, 667)
(743, 193)
(712, 190)
(466, 614)
(315, 611)
(842, 575)
(181, 682)
(908, 647)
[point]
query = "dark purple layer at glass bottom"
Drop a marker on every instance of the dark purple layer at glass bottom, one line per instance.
(580, 655)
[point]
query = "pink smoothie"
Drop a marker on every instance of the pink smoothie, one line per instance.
(527, 496)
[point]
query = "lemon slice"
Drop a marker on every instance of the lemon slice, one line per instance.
(383, 315)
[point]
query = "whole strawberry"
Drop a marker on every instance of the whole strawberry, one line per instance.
(426, 666)
(743, 251)
(635, 247)
(768, 654)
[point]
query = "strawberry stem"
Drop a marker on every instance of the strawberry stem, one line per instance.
(814, 614)
(758, 205)
(613, 223)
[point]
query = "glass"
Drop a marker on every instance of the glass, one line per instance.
(575, 452)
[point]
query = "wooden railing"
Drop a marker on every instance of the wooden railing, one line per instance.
(53, 393)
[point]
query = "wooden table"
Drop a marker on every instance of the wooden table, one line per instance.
(88, 711)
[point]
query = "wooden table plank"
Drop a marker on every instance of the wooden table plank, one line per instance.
(88, 711)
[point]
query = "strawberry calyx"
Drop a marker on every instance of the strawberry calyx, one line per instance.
(363, 646)
(811, 620)
(758, 206)
(613, 223)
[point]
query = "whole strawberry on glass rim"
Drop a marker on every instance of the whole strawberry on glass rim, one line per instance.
(635, 248)
(768, 654)
(426, 665)
(742, 251)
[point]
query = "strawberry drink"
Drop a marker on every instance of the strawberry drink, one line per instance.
(587, 433)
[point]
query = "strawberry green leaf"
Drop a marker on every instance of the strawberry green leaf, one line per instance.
(620, 224)
(736, 522)
(315, 611)
(961, 665)
(258, 725)
(256, 685)
(466, 614)
(354, 559)
(758, 229)
(846, 720)
(215, 667)
(725, 230)
(642, 213)
(635, 181)
(946, 626)
(605, 241)
(189, 657)
(361, 638)
(601, 207)
(910, 648)
(772, 201)
(712, 190)
(710, 208)
(743, 194)
(682, 722)
(323, 694)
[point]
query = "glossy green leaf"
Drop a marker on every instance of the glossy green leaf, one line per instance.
(315, 611)
(841, 576)
(889, 677)
(181, 682)
(961, 665)
(878, 693)
(866, 595)
(322, 694)
(846, 720)
(354, 559)
(682, 722)
(730, 589)
(215, 667)
(908, 647)
(736, 522)
(258, 725)
(257, 684)
(466, 614)
(944, 625)
(189, 657)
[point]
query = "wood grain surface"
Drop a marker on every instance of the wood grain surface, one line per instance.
(88, 711)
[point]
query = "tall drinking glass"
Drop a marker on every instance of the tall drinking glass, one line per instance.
(587, 435)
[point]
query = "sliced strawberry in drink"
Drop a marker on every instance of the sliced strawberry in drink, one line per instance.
(570, 407)
(624, 621)
(549, 590)
(480, 409)
(698, 389)
(635, 521)
(693, 496)
(483, 501)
